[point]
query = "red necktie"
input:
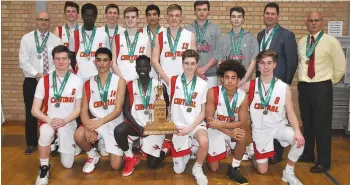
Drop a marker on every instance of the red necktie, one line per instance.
(311, 66)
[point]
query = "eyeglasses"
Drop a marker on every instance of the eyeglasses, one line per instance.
(43, 20)
(313, 20)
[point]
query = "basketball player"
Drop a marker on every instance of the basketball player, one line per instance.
(153, 28)
(138, 109)
(188, 96)
(59, 94)
(170, 44)
(112, 28)
(273, 117)
(101, 112)
(227, 115)
(128, 45)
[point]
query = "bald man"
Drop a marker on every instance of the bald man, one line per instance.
(321, 65)
(36, 61)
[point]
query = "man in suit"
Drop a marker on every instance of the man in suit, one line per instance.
(281, 41)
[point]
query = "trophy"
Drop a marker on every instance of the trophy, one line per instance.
(161, 124)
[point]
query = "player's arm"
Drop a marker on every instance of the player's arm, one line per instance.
(155, 61)
(115, 67)
(193, 41)
(210, 105)
(126, 111)
(37, 103)
(249, 73)
(245, 87)
(84, 110)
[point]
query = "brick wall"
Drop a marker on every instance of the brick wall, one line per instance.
(18, 18)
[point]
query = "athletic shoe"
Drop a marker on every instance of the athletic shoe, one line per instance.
(130, 163)
(77, 150)
(198, 174)
(43, 176)
(90, 163)
(290, 178)
(102, 148)
(235, 175)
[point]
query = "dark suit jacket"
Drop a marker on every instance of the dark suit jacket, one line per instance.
(285, 45)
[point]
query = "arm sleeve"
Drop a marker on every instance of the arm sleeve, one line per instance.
(24, 58)
(339, 62)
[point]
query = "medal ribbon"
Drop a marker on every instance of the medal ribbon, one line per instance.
(188, 95)
(88, 45)
(115, 33)
(310, 50)
(170, 41)
(58, 93)
(145, 97)
(230, 109)
(68, 30)
(266, 41)
(236, 46)
(154, 35)
(40, 48)
(200, 32)
(104, 92)
(131, 47)
(265, 101)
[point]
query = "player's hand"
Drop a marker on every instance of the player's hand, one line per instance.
(237, 134)
(93, 124)
(91, 136)
(299, 139)
(57, 123)
(213, 123)
(38, 76)
(184, 131)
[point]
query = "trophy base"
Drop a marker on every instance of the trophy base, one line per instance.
(160, 128)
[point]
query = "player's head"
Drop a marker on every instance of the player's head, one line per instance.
(230, 73)
(131, 16)
(152, 14)
(143, 66)
(71, 11)
(112, 13)
(201, 9)
(266, 61)
(174, 15)
(271, 13)
(237, 14)
(89, 14)
(103, 60)
(60, 55)
(190, 60)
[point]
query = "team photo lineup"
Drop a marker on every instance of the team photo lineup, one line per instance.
(185, 93)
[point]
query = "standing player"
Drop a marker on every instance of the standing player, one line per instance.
(207, 39)
(101, 112)
(129, 45)
(59, 93)
(227, 115)
(188, 97)
(153, 28)
(112, 28)
(271, 111)
(138, 109)
(170, 44)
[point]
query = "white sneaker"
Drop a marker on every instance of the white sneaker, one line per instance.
(54, 145)
(102, 148)
(198, 174)
(43, 176)
(77, 150)
(90, 163)
(290, 178)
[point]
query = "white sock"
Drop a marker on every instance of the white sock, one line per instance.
(236, 163)
(92, 153)
(289, 168)
(197, 165)
(129, 153)
(44, 162)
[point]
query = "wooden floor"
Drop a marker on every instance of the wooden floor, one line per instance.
(20, 169)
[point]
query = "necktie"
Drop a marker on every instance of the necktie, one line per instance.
(311, 66)
(45, 57)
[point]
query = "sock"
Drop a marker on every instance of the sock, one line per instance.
(129, 153)
(92, 153)
(197, 165)
(236, 163)
(44, 162)
(289, 168)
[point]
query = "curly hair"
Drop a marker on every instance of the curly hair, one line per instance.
(231, 65)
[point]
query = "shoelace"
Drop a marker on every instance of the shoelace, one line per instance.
(43, 171)
(89, 160)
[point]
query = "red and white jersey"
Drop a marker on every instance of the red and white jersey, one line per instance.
(128, 69)
(173, 67)
(86, 68)
(137, 108)
(111, 32)
(144, 30)
(71, 92)
(179, 114)
(95, 102)
(69, 43)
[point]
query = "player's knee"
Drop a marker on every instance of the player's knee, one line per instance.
(204, 142)
(179, 166)
(67, 160)
(179, 169)
(262, 170)
(213, 167)
(79, 134)
(46, 135)
(119, 132)
(116, 166)
(152, 162)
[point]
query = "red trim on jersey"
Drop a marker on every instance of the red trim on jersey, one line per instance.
(59, 31)
(117, 44)
(160, 41)
(44, 106)
(172, 88)
(219, 157)
(76, 41)
(131, 94)
(87, 90)
(140, 29)
(216, 96)
(251, 91)
(263, 155)
(182, 153)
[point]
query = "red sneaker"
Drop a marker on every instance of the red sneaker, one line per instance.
(129, 166)
(168, 145)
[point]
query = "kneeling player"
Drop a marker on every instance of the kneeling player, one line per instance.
(101, 112)
(273, 117)
(138, 109)
(59, 93)
(188, 96)
(227, 115)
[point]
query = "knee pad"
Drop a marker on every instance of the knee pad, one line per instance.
(295, 152)
(179, 165)
(67, 160)
(47, 134)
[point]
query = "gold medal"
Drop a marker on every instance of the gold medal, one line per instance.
(39, 57)
(146, 112)
(265, 112)
(131, 60)
(189, 109)
(173, 57)
(57, 105)
(88, 58)
(105, 107)
(307, 62)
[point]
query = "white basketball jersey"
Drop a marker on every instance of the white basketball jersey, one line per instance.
(96, 104)
(87, 68)
(174, 67)
(111, 32)
(128, 69)
(264, 125)
(179, 114)
(69, 43)
(144, 30)
(137, 108)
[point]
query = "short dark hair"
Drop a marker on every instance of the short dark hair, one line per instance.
(104, 51)
(231, 65)
(272, 5)
(199, 3)
(131, 9)
(111, 6)
(152, 7)
(89, 6)
(189, 53)
(267, 53)
(71, 4)
(60, 49)
(143, 57)
(173, 7)
(237, 9)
